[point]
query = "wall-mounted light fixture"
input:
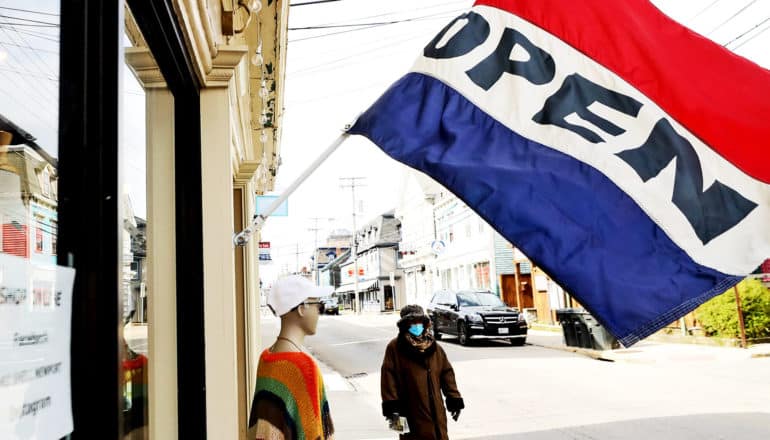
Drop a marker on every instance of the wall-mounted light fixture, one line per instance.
(257, 58)
(246, 10)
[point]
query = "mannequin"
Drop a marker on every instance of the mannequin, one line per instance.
(289, 399)
(295, 325)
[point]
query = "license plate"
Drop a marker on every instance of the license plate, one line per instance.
(503, 331)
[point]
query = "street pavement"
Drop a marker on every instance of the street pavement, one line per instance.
(545, 392)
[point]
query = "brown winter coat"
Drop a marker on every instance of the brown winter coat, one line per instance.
(411, 385)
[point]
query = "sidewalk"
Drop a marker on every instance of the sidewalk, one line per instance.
(651, 352)
(354, 411)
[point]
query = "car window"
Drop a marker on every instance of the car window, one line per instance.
(473, 299)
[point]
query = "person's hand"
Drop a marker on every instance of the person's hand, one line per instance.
(455, 415)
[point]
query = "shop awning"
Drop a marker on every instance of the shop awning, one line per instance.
(362, 287)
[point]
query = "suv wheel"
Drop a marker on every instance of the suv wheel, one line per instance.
(436, 333)
(518, 342)
(462, 334)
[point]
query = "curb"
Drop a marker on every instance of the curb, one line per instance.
(593, 354)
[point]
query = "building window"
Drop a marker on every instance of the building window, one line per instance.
(482, 275)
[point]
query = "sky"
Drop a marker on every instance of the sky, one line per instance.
(29, 68)
(331, 79)
(333, 74)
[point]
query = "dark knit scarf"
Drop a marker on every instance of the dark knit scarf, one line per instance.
(422, 342)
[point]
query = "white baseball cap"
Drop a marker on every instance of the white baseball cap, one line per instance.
(291, 291)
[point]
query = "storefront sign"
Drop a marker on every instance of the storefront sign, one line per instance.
(263, 203)
(35, 315)
(438, 247)
(264, 251)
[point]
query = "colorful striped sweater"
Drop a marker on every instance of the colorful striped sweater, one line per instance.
(290, 398)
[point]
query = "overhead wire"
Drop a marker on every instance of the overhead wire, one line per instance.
(31, 112)
(36, 34)
(335, 51)
(747, 32)
(710, 5)
(744, 42)
(427, 17)
(34, 91)
(47, 93)
(385, 14)
(34, 48)
(29, 11)
(8, 23)
(42, 63)
(315, 2)
(29, 20)
(740, 11)
(371, 51)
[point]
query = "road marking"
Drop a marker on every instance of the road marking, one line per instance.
(360, 342)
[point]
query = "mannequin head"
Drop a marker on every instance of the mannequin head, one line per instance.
(303, 318)
(297, 301)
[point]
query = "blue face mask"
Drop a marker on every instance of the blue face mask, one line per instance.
(416, 329)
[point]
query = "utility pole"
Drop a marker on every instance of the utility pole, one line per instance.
(315, 230)
(352, 183)
(296, 262)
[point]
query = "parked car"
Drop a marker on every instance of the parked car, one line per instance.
(331, 306)
(476, 315)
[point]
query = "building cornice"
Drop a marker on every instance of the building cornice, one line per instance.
(223, 66)
(194, 18)
(245, 172)
(145, 68)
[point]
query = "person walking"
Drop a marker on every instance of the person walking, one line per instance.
(290, 399)
(415, 372)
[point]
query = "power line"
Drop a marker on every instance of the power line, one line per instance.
(44, 66)
(33, 33)
(28, 24)
(427, 17)
(313, 2)
(732, 17)
(28, 73)
(32, 48)
(29, 20)
(34, 114)
(750, 38)
(370, 51)
(29, 11)
(25, 76)
(404, 11)
(745, 33)
(332, 26)
(52, 91)
(704, 10)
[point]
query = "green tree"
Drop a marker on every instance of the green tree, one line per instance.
(719, 316)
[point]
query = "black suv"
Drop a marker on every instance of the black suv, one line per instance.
(476, 315)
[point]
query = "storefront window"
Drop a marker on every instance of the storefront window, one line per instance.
(141, 81)
(35, 303)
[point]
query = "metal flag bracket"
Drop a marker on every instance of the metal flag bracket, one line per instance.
(243, 237)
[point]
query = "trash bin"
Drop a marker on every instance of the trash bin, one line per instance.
(566, 318)
(584, 331)
(598, 337)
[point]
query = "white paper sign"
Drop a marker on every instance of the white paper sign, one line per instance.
(35, 316)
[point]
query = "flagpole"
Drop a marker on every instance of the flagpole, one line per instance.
(243, 237)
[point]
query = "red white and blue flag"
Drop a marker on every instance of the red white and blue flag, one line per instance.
(623, 153)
